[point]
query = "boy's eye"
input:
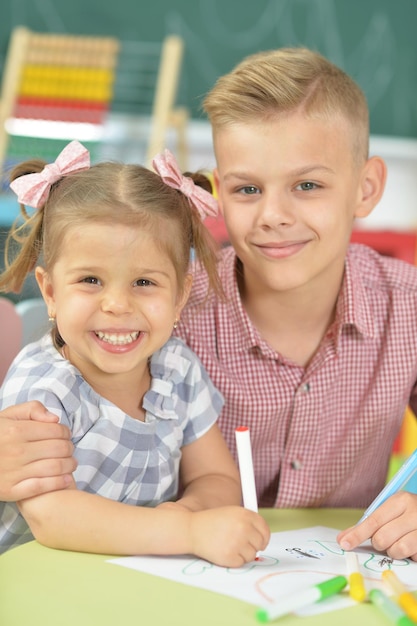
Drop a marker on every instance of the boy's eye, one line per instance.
(307, 186)
(249, 190)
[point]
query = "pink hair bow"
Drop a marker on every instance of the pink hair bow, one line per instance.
(166, 166)
(33, 189)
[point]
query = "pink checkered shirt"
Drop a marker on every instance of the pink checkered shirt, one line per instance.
(321, 435)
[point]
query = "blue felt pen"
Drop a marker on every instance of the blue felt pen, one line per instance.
(390, 609)
(298, 599)
(400, 480)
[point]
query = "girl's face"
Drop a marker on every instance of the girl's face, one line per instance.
(115, 297)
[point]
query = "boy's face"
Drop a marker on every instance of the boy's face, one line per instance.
(289, 190)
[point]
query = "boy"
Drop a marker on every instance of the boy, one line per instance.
(311, 347)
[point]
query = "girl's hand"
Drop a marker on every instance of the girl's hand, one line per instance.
(228, 536)
(392, 528)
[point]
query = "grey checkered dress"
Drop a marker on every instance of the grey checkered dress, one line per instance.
(118, 457)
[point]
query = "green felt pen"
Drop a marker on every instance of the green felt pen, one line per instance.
(298, 599)
(389, 608)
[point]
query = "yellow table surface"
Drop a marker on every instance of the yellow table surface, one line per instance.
(44, 587)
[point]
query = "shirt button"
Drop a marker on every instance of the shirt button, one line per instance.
(296, 464)
(304, 388)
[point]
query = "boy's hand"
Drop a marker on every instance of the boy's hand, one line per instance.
(392, 528)
(228, 536)
(35, 452)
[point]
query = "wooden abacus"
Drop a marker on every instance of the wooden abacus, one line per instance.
(51, 80)
(59, 87)
(164, 112)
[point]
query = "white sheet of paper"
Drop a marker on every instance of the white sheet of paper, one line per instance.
(281, 569)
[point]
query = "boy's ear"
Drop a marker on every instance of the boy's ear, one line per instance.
(372, 185)
(45, 286)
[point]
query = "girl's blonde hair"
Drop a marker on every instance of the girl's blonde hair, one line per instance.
(108, 192)
(267, 84)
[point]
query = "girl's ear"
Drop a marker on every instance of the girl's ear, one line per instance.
(46, 288)
(372, 185)
(184, 295)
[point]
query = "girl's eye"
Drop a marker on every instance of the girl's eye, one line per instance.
(250, 190)
(307, 186)
(143, 282)
(91, 280)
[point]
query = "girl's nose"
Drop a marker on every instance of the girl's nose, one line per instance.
(116, 301)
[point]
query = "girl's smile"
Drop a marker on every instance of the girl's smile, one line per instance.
(117, 342)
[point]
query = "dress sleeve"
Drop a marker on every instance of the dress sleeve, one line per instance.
(182, 390)
(206, 403)
(34, 376)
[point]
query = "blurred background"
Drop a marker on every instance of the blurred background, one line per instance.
(373, 40)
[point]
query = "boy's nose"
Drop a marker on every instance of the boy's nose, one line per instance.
(275, 211)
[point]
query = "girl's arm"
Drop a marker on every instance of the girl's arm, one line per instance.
(85, 522)
(209, 475)
(229, 535)
(81, 521)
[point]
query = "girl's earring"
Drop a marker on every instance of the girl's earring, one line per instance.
(51, 317)
(176, 324)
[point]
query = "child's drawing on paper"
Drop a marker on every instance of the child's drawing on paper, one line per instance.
(293, 560)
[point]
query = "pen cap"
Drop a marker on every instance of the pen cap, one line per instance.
(332, 586)
(391, 578)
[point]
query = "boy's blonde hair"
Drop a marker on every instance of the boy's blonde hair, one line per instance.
(267, 84)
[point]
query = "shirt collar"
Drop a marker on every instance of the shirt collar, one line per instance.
(352, 309)
(353, 306)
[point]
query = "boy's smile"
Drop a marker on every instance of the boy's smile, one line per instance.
(281, 250)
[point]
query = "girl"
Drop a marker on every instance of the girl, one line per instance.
(115, 243)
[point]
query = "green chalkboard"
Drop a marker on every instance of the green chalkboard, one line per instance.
(373, 40)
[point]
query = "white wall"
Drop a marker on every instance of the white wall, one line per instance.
(397, 209)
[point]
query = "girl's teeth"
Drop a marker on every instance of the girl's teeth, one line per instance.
(117, 339)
